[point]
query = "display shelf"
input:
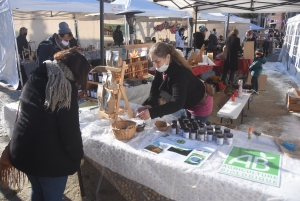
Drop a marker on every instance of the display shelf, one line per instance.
(129, 47)
(92, 99)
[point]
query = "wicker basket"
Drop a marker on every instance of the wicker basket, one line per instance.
(124, 129)
(162, 125)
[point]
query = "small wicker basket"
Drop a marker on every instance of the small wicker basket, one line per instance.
(124, 129)
(162, 125)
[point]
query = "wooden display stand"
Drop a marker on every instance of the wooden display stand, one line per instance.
(196, 58)
(118, 92)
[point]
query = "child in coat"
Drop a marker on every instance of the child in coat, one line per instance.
(256, 68)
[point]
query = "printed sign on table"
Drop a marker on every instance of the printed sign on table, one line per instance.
(181, 150)
(254, 165)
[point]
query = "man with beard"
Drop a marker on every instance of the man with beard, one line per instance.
(55, 43)
(22, 41)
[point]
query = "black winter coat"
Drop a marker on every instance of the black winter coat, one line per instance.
(184, 87)
(199, 40)
(49, 47)
(232, 48)
(212, 42)
(45, 144)
(118, 37)
(22, 42)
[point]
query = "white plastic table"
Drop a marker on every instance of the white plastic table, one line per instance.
(232, 109)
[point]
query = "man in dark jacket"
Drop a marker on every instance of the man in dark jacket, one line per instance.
(199, 37)
(266, 46)
(57, 42)
(118, 36)
(233, 47)
(22, 41)
(212, 43)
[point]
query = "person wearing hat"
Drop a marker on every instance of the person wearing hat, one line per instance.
(55, 43)
(256, 68)
(250, 37)
(22, 42)
(118, 36)
(266, 46)
(199, 37)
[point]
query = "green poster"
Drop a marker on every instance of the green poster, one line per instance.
(254, 165)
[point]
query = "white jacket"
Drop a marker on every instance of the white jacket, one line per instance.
(179, 40)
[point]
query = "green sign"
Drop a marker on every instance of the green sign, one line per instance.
(259, 166)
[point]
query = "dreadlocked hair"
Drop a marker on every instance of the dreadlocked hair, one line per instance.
(161, 49)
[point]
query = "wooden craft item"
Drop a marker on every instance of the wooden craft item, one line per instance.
(196, 58)
(249, 49)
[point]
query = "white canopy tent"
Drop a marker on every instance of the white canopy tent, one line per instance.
(233, 6)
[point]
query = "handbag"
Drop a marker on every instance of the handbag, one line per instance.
(9, 175)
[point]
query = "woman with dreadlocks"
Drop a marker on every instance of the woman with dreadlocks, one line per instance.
(46, 143)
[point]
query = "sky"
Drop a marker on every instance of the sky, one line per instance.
(83, 1)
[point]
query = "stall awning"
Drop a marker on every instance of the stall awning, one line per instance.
(234, 6)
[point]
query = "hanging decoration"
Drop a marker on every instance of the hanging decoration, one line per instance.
(173, 27)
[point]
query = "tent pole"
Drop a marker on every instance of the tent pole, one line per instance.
(102, 53)
(16, 48)
(196, 20)
(227, 25)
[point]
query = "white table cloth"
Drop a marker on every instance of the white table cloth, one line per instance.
(181, 182)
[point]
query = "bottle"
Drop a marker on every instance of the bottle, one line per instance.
(240, 90)
(250, 132)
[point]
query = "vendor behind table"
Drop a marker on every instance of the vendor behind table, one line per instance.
(174, 76)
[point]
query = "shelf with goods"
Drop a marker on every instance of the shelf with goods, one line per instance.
(117, 91)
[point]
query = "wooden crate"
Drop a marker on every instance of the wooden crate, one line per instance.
(293, 104)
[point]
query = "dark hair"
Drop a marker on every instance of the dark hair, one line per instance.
(62, 35)
(22, 29)
(77, 63)
(181, 29)
(161, 49)
(119, 26)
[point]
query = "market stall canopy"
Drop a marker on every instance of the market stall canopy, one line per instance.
(55, 9)
(219, 17)
(255, 27)
(233, 6)
(151, 9)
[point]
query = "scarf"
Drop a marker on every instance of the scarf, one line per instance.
(58, 88)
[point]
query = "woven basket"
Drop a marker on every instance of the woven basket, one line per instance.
(162, 125)
(124, 129)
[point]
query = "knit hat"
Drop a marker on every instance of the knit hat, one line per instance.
(202, 28)
(259, 51)
(63, 28)
(249, 32)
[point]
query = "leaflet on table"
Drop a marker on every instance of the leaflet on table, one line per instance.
(181, 150)
(259, 166)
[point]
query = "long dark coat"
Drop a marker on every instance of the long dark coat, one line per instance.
(233, 46)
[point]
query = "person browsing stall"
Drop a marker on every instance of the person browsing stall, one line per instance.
(57, 42)
(256, 68)
(174, 76)
(22, 41)
(46, 142)
(118, 36)
(199, 37)
(180, 38)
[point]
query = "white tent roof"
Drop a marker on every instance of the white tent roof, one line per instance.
(234, 6)
(151, 9)
(221, 17)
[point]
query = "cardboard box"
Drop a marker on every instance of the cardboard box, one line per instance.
(262, 82)
(293, 104)
(249, 49)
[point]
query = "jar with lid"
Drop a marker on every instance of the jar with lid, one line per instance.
(220, 139)
(193, 134)
(208, 124)
(186, 133)
(201, 135)
(189, 126)
(95, 76)
(186, 121)
(217, 127)
(229, 138)
(100, 75)
(174, 122)
(174, 129)
(192, 120)
(209, 129)
(217, 132)
(90, 76)
(209, 135)
(226, 131)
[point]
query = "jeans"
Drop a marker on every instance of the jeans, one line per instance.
(47, 188)
(203, 119)
(254, 82)
(266, 51)
(179, 113)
